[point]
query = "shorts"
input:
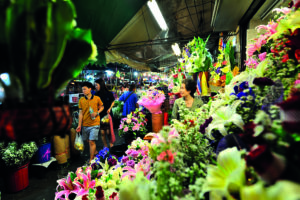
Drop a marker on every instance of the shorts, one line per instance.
(90, 132)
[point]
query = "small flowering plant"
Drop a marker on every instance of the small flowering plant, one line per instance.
(104, 156)
(16, 155)
(136, 159)
(134, 123)
(152, 100)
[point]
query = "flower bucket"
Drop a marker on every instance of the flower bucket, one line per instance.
(43, 154)
(16, 179)
(157, 122)
(154, 108)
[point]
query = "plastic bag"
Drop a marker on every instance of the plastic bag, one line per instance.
(105, 119)
(79, 142)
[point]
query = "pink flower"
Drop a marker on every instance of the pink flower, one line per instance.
(173, 134)
(284, 10)
(262, 56)
(285, 58)
(161, 156)
(224, 62)
(251, 63)
(126, 129)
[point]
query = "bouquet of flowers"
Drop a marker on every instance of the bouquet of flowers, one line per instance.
(118, 109)
(14, 155)
(196, 57)
(152, 100)
(134, 123)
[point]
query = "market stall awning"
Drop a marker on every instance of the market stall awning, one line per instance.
(105, 18)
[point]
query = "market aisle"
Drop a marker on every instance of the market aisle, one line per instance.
(42, 181)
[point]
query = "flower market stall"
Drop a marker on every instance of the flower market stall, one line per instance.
(243, 144)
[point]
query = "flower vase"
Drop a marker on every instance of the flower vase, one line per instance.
(16, 179)
(157, 122)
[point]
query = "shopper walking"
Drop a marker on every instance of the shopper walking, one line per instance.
(108, 100)
(90, 107)
(130, 100)
(187, 90)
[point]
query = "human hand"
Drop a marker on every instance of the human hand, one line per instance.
(78, 129)
(108, 111)
(94, 114)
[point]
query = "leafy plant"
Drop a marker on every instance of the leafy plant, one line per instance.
(15, 155)
(41, 48)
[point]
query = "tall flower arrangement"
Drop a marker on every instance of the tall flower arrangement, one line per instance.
(196, 57)
(152, 100)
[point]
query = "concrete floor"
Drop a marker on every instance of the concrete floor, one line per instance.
(42, 181)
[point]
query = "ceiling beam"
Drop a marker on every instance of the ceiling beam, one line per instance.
(190, 15)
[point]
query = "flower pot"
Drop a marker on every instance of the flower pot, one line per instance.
(16, 179)
(33, 123)
(157, 122)
(43, 154)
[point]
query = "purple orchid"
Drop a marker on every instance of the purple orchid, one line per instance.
(130, 163)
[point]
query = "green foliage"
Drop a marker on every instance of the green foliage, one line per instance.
(41, 49)
(14, 155)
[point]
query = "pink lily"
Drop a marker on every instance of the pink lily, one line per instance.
(68, 187)
(157, 139)
(172, 135)
(262, 56)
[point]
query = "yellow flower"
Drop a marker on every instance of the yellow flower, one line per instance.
(111, 184)
(228, 177)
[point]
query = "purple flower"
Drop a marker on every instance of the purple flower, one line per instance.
(134, 154)
(125, 159)
(112, 162)
(130, 163)
(218, 70)
(205, 125)
(263, 81)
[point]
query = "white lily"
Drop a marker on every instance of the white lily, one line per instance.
(223, 116)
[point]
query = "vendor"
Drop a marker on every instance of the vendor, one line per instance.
(187, 90)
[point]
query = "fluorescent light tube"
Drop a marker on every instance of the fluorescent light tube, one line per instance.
(157, 14)
(176, 49)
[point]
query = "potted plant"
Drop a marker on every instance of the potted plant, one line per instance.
(42, 49)
(15, 158)
(133, 126)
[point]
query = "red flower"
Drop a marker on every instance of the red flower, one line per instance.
(146, 120)
(297, 54)
(223, 77)
(215, 64)
(183, 75)
(99, 192)
(260, 158)
(85, 197)
(113, 195)
(224, 62)
(179, 70)
(175, 76)
(285, 58)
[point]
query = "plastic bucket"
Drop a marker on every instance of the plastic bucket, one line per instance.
(17, 179)
(43, 154)
(157, 122)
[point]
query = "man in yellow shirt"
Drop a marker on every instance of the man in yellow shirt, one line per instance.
(90, 107)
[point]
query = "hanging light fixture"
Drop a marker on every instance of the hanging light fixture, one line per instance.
(157, 14)
(176, 49)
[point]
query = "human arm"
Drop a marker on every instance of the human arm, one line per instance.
(112, 100)
(78, 129)
(112, 104)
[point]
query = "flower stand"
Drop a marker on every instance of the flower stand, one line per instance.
(157, 122)
(16, 179)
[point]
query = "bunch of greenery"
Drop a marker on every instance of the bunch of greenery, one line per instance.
(41, 48)
(14, 155)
